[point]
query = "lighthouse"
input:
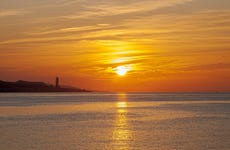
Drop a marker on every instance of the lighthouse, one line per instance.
(57, 82)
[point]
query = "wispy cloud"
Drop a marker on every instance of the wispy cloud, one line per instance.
(112, 8)
(155, 29)
(7, 13)
(209, 67)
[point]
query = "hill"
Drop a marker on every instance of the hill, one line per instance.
(27, 86)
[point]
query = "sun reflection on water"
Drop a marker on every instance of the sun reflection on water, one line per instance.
(121, 105)
(121, 133)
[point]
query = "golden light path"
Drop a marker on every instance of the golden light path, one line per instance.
(121, 133)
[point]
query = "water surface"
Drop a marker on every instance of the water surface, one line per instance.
(57, 121)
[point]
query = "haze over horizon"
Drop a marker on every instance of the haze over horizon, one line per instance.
(122, 45)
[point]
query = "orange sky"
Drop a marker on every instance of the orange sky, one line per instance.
(168, 46)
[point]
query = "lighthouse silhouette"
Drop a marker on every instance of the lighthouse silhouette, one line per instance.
(57, 82)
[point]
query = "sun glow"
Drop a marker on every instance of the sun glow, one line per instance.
(122, 70)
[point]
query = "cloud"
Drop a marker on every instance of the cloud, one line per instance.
(207, 67)
(174, 30)
(113, 8)
(7, 13)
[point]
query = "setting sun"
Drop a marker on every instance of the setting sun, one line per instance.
(122, 70)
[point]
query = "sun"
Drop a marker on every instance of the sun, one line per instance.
(122, 70)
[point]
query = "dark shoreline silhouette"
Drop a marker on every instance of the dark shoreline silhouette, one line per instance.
(27, 86)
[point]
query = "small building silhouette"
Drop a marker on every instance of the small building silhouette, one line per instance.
(57, 82)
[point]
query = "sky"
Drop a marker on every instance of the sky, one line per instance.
(164, 45)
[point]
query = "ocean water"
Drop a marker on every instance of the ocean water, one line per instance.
(116, 121)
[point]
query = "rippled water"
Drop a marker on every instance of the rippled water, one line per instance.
(119, 121)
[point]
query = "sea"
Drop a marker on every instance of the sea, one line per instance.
(114, 121)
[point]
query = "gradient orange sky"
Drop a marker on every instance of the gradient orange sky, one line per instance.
(169, 45)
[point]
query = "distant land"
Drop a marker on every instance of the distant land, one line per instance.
(27, 86)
